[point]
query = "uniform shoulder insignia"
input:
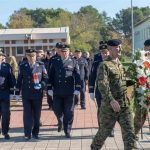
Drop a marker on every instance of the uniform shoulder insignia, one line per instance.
(4, 64)
(25, 65)
(40, 62)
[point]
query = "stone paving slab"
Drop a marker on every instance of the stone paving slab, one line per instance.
(84, 128)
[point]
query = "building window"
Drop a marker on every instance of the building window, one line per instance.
(7, 42)
(38, 47)
(51, 40)
(13, 42)
(45, 41)
(25, 41)
(63, 40)
(19, 51)
(32, 41)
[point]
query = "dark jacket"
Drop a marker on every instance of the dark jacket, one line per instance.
(64, 76)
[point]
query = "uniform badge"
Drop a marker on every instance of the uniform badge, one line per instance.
(26, 65)
(37, 65)
(69, 66)
(2, 79)
(4, 65)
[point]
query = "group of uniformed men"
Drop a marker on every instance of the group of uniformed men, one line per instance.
(65, 78)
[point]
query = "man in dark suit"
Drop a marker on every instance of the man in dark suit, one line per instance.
(64, 84)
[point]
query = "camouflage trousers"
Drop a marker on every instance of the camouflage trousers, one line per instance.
(108, 119)
(139, 118)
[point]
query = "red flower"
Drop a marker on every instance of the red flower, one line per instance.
(148, 98)
(146, 64)
(142, 80)
(148, 85)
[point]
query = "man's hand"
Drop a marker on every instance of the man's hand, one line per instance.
(76, 92)
(50, 93)
(92, 96)
(115, 105)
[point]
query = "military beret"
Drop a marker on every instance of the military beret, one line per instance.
(30, 51)
(2, 52)
(147, 42)
(58, 45)
(103, 47)
(77, 50)
(114, 42)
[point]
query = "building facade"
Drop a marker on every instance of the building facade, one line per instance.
(141, 33)
(16, 41)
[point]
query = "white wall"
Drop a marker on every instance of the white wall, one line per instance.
(141, 33)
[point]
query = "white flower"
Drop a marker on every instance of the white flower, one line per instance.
(141, 89)
(139, 63)
(147, 71)
(142, 55)
(140, 72)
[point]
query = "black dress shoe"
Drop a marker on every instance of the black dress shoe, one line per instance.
(59, 127)
(40, 123)
(35, 136)
(68, 135)
(27, 138)
(6, 136)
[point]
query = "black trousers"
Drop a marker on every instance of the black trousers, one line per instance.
(31, 115)
(5, 115)
(49, 101)
(63, 107)
(81, 98)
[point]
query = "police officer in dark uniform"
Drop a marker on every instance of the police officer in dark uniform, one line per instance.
(98, 56)
(31, 81)
(64, 83)
(46, 61)
(86, 55)
(84, 73)
(93, 91)
(7, 81)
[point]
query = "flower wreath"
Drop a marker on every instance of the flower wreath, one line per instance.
(139, 72)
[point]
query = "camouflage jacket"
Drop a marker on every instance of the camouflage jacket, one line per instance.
(111, 81)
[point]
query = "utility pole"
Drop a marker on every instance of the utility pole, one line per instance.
(132, 28)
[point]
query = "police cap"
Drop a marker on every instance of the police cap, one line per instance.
(58, 45)
(49, 52)
(64, 47)
(114, 42)
(31, 52)
(147, 42)
(103, 47)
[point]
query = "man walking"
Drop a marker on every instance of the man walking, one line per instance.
(111, 82)
(64, 83)
(7, 81)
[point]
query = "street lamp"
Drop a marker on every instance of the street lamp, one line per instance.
(132, 28)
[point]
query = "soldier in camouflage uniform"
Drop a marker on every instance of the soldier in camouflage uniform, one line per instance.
(140, 112)
(111, 82)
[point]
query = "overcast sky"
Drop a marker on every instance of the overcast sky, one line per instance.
(7, 7)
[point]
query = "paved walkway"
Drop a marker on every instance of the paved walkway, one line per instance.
(84, 128)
